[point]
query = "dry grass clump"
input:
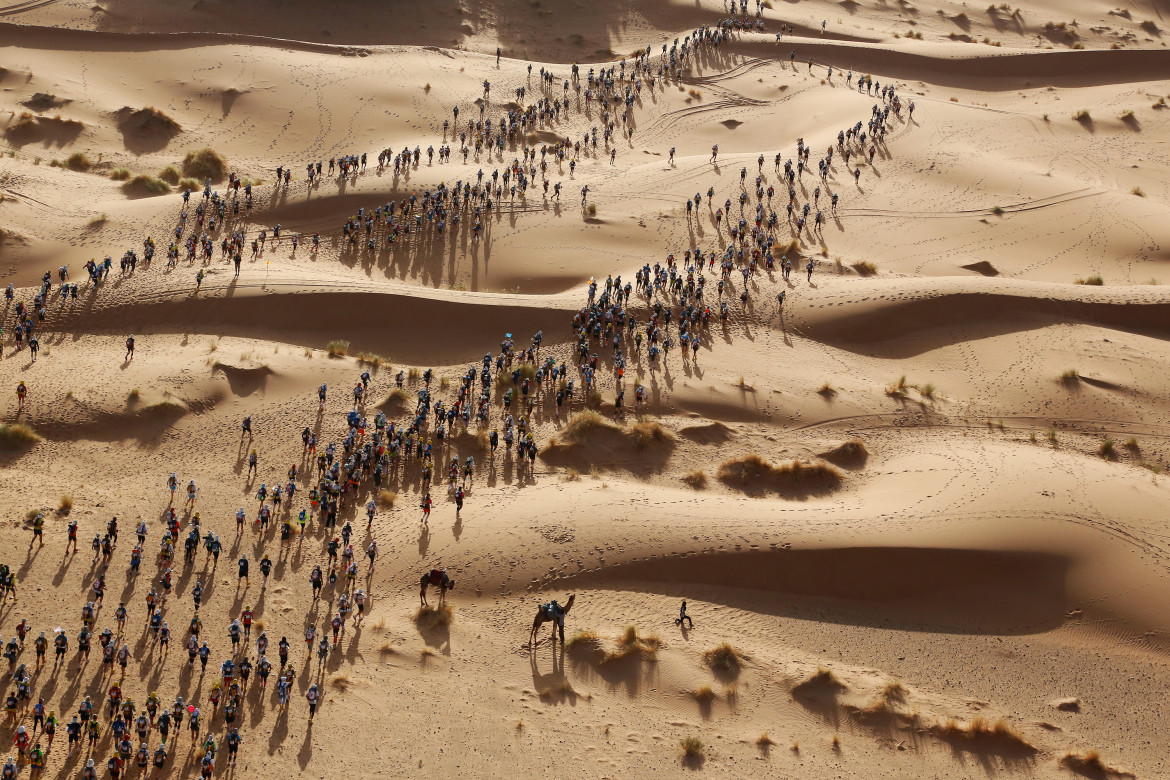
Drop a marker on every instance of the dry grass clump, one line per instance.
(144, 185)
(692, 747)
(170, 175)
(703, 694)
(764, 741)
(387, 648)
(78, 161)
(571, 475)
(823, 679)
(337, 348)
(386, 498)
(340, 681)
(646, 433)
(1083, 115)
(798, 477)
(1070, 377)
(370, 359)
(433, 617)
(865, 268)
(696, 479)
(982, 729)
(631, 644)
(18, 436)
(584, 423)
(826, 391)
(204, 164)
(898, 388)
(587, 639)
(189, 184)
(1092, 281)
(1108, 450)
(66, 505)
(120, 174)
(849, 454)
(397, 397)
(1090, 763)
(723, 658)
(1138, 191)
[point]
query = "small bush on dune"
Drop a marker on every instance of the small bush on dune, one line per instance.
(723, 658)
(189, 184)
(340, 681)
(692, 747)
(1091, 764)
(433, 617)
(370, 359)
(585, 422)
(170, 175)
(696, 479)
(898, 388)
(386, 498)
(397, 397)
(337, 348)
(1093, 281)
(630, 643)
(1108, 450)
(646, 433)
(120, 174)
(17, 436)
(851, 454)
(796, 477)
(703, 694)
(865, 268)
(146, 185)
(979, 728)
(78, 161)
(205, 164)
(66, 505)
(823, 679)
(765, 741)
(1070, 377)
(584, 639)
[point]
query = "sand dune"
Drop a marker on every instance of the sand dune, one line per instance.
(911, 493)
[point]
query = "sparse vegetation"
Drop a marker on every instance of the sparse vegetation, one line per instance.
(850, 454)
(1092, 281)
(65, 506)
(997, 211)
(797, 477)
(826, 391)
(980, 728)
(592, 210)
(723, 658)
(824, 678)
(78, 161)
(188, 184)
(170, 175)
(205, 164)
(764, 741)
(370, 359)
(865, 268)
(696, 479)
(120, 174)
(1052, 436)
(1138, 191)
(630, 643)
(1083, 115)
(646, 433)
(337, 348)
(692, 747)
(397, 397)
(144, 185)
(427, 618)
(1070, 377)
(17, 436)
(571, 475)
(703, 694)
(1090, 763)
(1107, 449)
(340, 681)
(386, 498)
(1132, 445)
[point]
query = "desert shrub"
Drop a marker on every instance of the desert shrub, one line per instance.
(386, 498)
(120, 174)
(692, 747)
(723, 658)
(337, 348)
(17, 436)
(78, 161)
(170, 175)
(143, 185)
(1092, 281)
(696, 479)
(205, 164)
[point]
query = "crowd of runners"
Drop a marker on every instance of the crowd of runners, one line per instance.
(498, 400)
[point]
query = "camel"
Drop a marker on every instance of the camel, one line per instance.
(546, 613)
(439, 579)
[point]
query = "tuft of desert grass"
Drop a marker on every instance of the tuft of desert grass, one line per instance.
(340, 681)
(66, 505)
(1070, 377)
(865, 268)
(386, 498)
(1138, 191)
(1132, 445)
(982, 728)
(692, 747)
(630, 643)
(170, 175)
(585, 422)
(696, 479)
(836, 742)
(397, 396)
(1083, 115)
(764, 741)
(78, 161)
(1052, 436)
(337, 348)
(1108, 449)
(647, 433)
(120, 174)
(1091, 764)
(723, 658)
(852, 453)
(18, 436)
(571, 475)
(142, 185)
(703, 694)
(826, 390)
(434, 617)
(205, 164)
(370, 359)
(797, 476)
(1092, 281)
(387, 648)
(585, 638)
(898, 388)
(823, 679)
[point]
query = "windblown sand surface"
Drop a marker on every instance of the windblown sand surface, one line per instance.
(923, 500)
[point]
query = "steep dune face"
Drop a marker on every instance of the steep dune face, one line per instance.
(911, 493)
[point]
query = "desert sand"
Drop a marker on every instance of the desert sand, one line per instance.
(913, 498)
